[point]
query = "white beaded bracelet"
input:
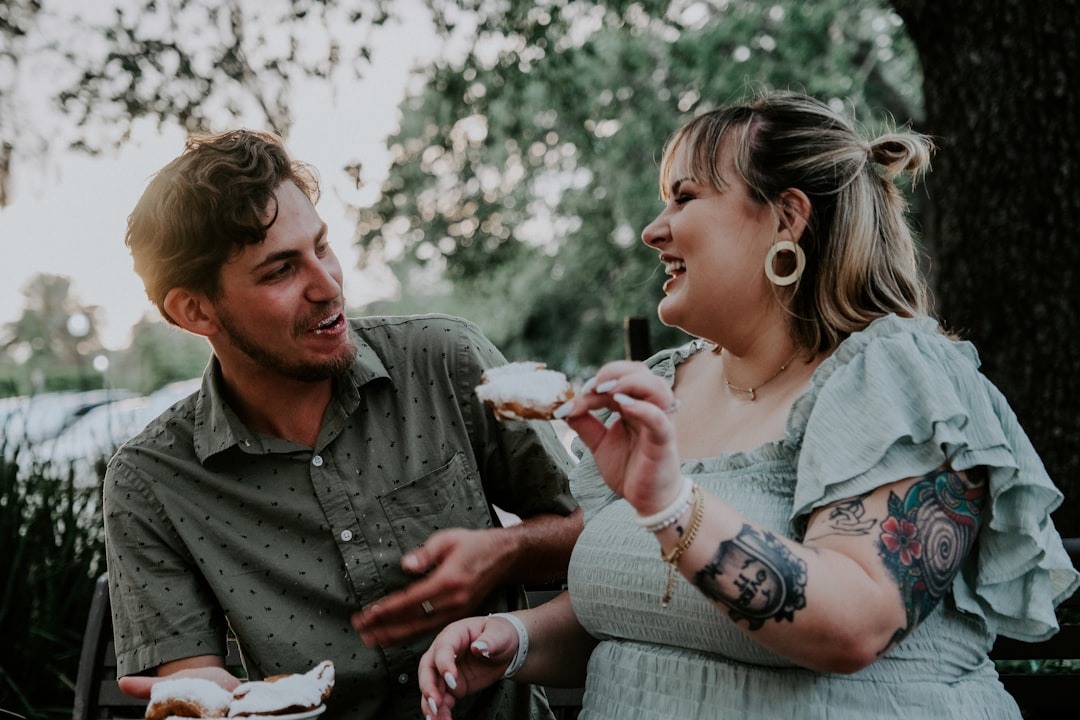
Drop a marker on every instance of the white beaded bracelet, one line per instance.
(670, 515)
(523, 643)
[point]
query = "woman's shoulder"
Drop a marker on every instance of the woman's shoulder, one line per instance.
(899, 361)
(902, 398)
(902, 336)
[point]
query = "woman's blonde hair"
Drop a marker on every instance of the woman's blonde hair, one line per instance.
(860, 254)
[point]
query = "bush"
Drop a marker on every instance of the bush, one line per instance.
(51, 551)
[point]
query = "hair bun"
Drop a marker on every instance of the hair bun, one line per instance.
(898, 153)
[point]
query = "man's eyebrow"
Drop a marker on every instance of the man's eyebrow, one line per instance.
(273, 258)
(277, 257)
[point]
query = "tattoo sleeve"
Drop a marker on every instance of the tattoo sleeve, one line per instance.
(756, 577)
(927, 535)
(923, 542)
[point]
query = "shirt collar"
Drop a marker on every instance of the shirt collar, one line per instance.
(218, 428)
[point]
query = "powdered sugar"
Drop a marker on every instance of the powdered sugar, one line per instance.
(523, 385)
(302, 695)
(266, 697)
(212, 699)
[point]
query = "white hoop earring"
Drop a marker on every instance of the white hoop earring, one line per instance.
(770, 258)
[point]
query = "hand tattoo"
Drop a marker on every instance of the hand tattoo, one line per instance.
(846, 518)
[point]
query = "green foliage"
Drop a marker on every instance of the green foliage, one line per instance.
(39, 353)
(195, 63)
(51, 545)
(54, 325)
(17, 20)
(525, 171)
(51, 346)
(159, 354)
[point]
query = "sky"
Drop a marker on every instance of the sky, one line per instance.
(69, 215)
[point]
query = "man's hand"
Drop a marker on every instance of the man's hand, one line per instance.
(462, 566)
(139, 686)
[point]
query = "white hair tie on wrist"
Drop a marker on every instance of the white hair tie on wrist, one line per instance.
(523, 643)
(670, 515)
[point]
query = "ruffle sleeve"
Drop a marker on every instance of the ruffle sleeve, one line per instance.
(899, 400)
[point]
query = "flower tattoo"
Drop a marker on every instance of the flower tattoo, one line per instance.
(927, 535)
(899, 537)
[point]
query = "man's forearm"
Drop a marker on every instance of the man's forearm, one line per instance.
(541, 547)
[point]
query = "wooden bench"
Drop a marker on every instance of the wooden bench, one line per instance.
(98, 696)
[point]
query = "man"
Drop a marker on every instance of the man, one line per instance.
(332, 477)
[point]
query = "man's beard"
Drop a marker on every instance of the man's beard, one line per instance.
(281, 364)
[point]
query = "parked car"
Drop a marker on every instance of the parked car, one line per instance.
(92, 438)
(32, 419)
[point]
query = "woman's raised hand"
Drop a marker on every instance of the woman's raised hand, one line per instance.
(636, 452)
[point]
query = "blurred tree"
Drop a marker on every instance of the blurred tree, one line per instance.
(1003, 106)
(102, 66)
(159, 353)
(521, 173)
(55, 339)
(525, 170)
(17, 20)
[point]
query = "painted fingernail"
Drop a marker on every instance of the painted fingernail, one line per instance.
(589, 385)
(432, 705)
(450, 681)
(624, 400)
(483, 648)
(563, 410)
(606, 387)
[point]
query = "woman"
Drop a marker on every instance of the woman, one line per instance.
(820, 508)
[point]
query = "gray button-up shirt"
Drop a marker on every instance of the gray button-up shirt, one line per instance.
(210, 526)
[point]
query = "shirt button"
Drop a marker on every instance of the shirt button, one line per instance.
(403, 678)
(346, 535)
(317, 461)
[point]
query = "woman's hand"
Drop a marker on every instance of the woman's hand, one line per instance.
(466, 657)
(636, 452)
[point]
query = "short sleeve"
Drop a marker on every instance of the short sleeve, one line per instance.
(901, 399)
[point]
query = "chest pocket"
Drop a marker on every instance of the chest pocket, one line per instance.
(448, 497)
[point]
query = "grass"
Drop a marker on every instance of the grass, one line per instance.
(51, 550)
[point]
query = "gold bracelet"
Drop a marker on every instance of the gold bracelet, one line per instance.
(697, 512)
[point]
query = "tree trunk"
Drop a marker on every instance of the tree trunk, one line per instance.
(1001, 228)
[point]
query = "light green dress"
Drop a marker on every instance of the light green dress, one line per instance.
(894, 401)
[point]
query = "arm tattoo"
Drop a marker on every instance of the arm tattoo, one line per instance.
(924, 540)
(927, 535)
(846, 518)
(756, 576)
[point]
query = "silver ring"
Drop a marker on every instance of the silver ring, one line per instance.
(428, 608)
(674, 407)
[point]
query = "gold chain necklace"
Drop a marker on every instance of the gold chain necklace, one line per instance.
(752, 391)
